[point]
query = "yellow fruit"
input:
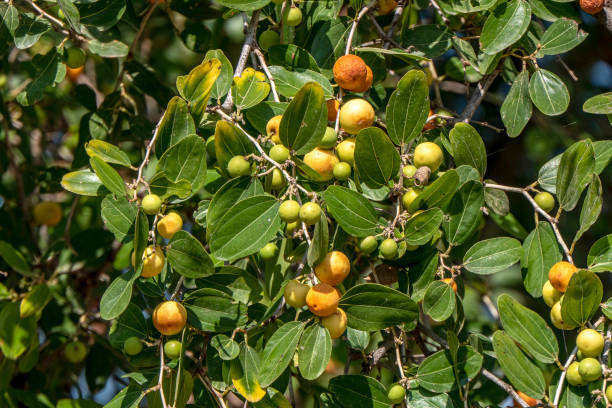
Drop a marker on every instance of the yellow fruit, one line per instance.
(74, 73)
(322, 299)
(573, 375)
(169, 317)
(428, 154)
(335, 323)
(334, 268)
(355, 115)
(169, 225)
(451, 282)
(532, 402)
(409, 196)
(386, 6)
(560, 275)
(310, 213)
(550, 294)
(350, 72)
(346, 150)
(152, 261)
(151, 203)
(47, 213)
(272, 128)
(295, 293)
(332, 109)
(590, 342)
(322, 161)
(557, 319)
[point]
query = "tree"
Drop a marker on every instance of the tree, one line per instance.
(303, 226)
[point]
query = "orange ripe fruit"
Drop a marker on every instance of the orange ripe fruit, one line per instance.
(334, 268)
(592, 6)
(386, 6)
(431, 124)
(560, 275)
(368, 81)
(451, 282)
(335, 323)
(322, 161)
(350, 72)
(532, 402)
(74, 73)
(47, 213)
(332, 109)
(169, 317)
(322, 299)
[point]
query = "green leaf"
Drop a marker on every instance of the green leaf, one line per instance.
(223, 84)
(228, 349)
(329, 42)
(229, 142)
(359, 391)
(258, 116)
(437, 372)
(14, 259)
(591, 207)
(109, 49)
(83, 182)
(279, 351)
(373, 307)
(246, 228)
(517, 108)
(505, 26)
(497, 200)
(107, 152)
(244, 372)
(214, 311)
(551, 10)
(166, 188)
(71, 13)
(464, 212)
(603, 154)
(49, 71)
(288, 83)
(141, 237)
(357, 339)
(560, 37)
(116, 297)
(244, 5)
(175, 125)
(547, 177)
(439, 301)
(465, 7)
(185, 160)
(574, 173)
(16, 333)
(528, 329)
(438, 193)
(187, 256)
(421, 275)
(376, 159)
(238, 283)
(109, 176)
(196, 86)
(599, 258)
(9, 17)
(419, 228)
(29, 31)
(599, 104)
(250, 88)
(408, 107)
(540, 252)
(119, 216)
(101, 14)
(129, 397)
(521, 372)
(468, 147)
(582, 298)
(320, 242)
(492, 255)
(351, 210)
(548, 92)
(314, 351)
(431, 40)
(291, 57)
(35, 300)
(305, 119)
(131, 323)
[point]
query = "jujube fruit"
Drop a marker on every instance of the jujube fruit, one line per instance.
(573, 375)
(369, 79)
(169, 225)
(278, 180)
(609, 392)
(334, 268)
(545, 200)
(269, 251)
(322, 161)
(289, 211)
(272, 128)
(47, 213)
(152, 261)
(589, 369)
(132, 346)
(350, 72)
(451, 282)
(74, 73)
(557, 319)
(532, 402)
(75, 351)
(293, 17)
(310, 213)
(409, 196)
(332, 109)
(279, 153)
(396, 393)
(550, 294)
(385, 7)
(238, 166)
(173, 349)
(355, 115)
(430, 124)
(267, 39)
(342, 171)
(388, 249)
(335, 323)
(169, 317)
(346, 150)
(560, 274)
(368, 244)
(75, 57)
(322, 299)
(592, 6)
(295, 293)
(329, 138)
(151, 203)
(291, 226)
(409, 170)
(428, 154)
(590, 342)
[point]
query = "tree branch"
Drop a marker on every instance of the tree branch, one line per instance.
(562, 378)
(505, 386)
(477, 96)
(264, 66)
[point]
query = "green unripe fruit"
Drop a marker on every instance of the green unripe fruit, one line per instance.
(368, 245)
(293, 17)
(329, 139)
(210, 148)
(75, 57)
(269, 251)
(573, 375)
(590, 342)
(310, 213)
(396, 394)
(545, 200)
(173, 349)
(388, 249)
(346, 150)
(289, 211)
(589, 369)
(267, 39)
(409, 170)
(291, 226)
(278, 181)
(579, 355)
(238, 166)
(279, 153)
(75, 352)
(151, 203)
(61, 15)
(428, 154)
(342, 171)
(609, 392)
(132, 346)
(409, 196)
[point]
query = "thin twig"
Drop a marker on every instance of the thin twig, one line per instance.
(264, 66)
(212, 390)
(58, 24)
(477, 96)
(73, 208)
(505, 386)
(570, 72)
(349, 40)
(145, 160)
(162, 365)
(562, 378)
(435, 5)
(604, 363)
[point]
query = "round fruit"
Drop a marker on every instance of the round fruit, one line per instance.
(388, 248)
(609, 393)
(334, 268)
(132, 346)
(557, 319)
(295, 293)
(560, 274)
(573, 375)
(238, 166)
(152, 261)
(169, 317)
(409, 196)
(368, 244)
(550, 294)
(329, 139)
(75, 57)
(335, 323)
(279, 153)
(169, 225)
(293, 17)
(289, 211)
(173, 349)
(545, 200)
(269, 251)
(210, 149)
(409, 171)
(74, 73)
(350, 72)
(590, 369)
(532, 402)
(47, 213)
(75, 352)
(355, 115)
(346, 150)
(322, 161)
(396, 393)
(332, 109)
(590, 342)
(322, 299)
(342, 171)
(428, 154)
(385, 7)
(451, 282)
(151, 203)
(278, 180)
(272, 128)
(291, 226)
(268, 38)
(592, 6)
(368, 80)
(310, 213)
